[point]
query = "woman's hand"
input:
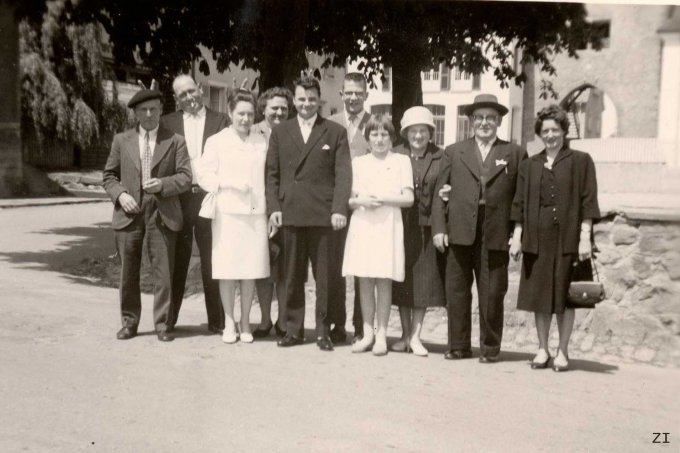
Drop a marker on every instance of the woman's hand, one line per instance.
(515, 248)
(368, 201)
(585, 249)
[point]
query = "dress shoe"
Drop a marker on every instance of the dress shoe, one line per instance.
(357, 337)
(400, 346)
(559, 368)
(363, 344)
(338, 335)
(126, 333)
(488, 358)
(324, 343)
(262, 332)
(380, 347)
(289, 340)
(164, 335)
(417, 348)
(458, 354)
(213, 329)
(246, 337)
(540, 365)
(279, 331)
(229, 336)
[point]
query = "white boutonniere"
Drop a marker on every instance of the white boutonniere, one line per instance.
(548, 165)
(325, 147)
(501, 162)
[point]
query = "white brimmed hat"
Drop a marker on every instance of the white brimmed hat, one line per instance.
(416, 115)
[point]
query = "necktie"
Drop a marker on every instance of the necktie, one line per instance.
(352, 126)
(146, 159)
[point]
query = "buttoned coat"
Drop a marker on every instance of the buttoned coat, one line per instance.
(460, 169)
(358, 146)
(214, 122)
(123, 173)
(576, 198)
(307, 182)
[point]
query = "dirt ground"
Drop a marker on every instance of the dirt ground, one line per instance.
(68, 385)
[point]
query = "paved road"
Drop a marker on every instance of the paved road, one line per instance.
(67, 384)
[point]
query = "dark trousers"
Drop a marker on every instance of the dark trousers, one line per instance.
(195, 226)
(161, 249)
(489, 268)
(340, 316)
(318, 245)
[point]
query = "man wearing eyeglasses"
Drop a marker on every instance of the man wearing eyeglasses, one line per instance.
(475, 228)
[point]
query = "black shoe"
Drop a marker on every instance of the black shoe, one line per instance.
(290, 340)
(212, 329)
(164, 335)
(458, 354)
(126, 333)
(279, 331)
(324, 343)
(358, 336)
(262, 332)
(488, 358)
(338, 335)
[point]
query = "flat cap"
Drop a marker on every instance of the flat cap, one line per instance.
(144, 95)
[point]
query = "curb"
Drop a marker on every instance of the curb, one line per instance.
(38, 202)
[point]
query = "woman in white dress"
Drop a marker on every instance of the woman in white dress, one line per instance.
(232, 168)
(382, 184)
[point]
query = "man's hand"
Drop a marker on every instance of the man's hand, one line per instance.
(444, 192)
(152, 185)
(276, 219)
(441, 241)
(515, 248)
(128, 203)
(338, 221)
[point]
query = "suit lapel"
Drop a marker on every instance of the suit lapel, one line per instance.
(498, 152)
(563, 154)
(318, 130)
(210, 125)
(293, 130)
(163, 140)
(469, 158)
(429, 153)
(133, 148)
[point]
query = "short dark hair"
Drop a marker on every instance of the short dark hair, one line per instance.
(308, 83)
(240, 95)
(355, 77)
(380, 121)
(271, 94)
(552, 112)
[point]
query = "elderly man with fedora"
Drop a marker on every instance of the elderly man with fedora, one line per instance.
(147, 169)
(475, 228)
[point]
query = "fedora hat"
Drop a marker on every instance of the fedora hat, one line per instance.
(416, 115)
(485, 100)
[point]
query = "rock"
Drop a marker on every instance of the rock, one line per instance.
(658, 239)
(624, 234)
(641, 268)
(671, 262)
(587, 343)
(644, 354)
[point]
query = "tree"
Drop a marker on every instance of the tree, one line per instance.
(62, 69)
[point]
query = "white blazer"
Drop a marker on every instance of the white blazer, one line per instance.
(228, 166)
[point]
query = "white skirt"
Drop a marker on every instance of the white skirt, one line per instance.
(240, 248)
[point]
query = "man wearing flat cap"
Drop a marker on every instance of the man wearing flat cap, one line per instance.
(472, 225)
(147, 169)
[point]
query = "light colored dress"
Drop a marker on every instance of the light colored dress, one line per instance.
(375, 240)
(239, 230)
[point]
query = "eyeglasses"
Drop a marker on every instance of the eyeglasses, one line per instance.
(491, 119)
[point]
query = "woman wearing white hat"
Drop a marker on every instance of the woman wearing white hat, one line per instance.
(424, 283)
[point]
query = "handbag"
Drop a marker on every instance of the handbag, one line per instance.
(208, 206)
(584, 292)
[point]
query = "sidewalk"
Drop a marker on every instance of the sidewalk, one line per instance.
(7, 203)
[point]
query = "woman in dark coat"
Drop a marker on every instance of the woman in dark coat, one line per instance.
(554, 207)
(424, 283)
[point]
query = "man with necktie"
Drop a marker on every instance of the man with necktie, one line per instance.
(308, 183)
(147, 169)
(195, 123)
(353, 118)
(475, 228)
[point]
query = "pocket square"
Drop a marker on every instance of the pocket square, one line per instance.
(501, 162)
(325, 147)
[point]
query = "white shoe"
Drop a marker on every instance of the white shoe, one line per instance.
(417, 348)
(229, 337)
(246, 337)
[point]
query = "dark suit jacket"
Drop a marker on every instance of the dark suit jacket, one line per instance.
(123, 171)
(308, 182)
(358, 146)
(214, 122)
(576, 197)
(425, 193)
(460, 169)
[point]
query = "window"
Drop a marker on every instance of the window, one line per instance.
(218, 99)
(460, 75)
(476, 82)
(381, 109)
(430, 75)
(387, 81)
(439, 114)
(463, 130)
(445, 77)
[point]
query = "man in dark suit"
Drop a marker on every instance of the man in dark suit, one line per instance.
(195, 123)
(353, 118)
(476, 228)
(146, 171)
(308, 184)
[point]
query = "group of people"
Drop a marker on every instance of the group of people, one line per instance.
(414, 225)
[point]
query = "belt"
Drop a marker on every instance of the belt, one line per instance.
(195, 188)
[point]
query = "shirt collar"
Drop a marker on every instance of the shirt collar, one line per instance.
(199, 114)
(359, 116)
(309, 121)
(152, 133)
(489, 144)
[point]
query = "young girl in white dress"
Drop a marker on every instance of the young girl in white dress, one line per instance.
(232, 167)
(382, 184)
